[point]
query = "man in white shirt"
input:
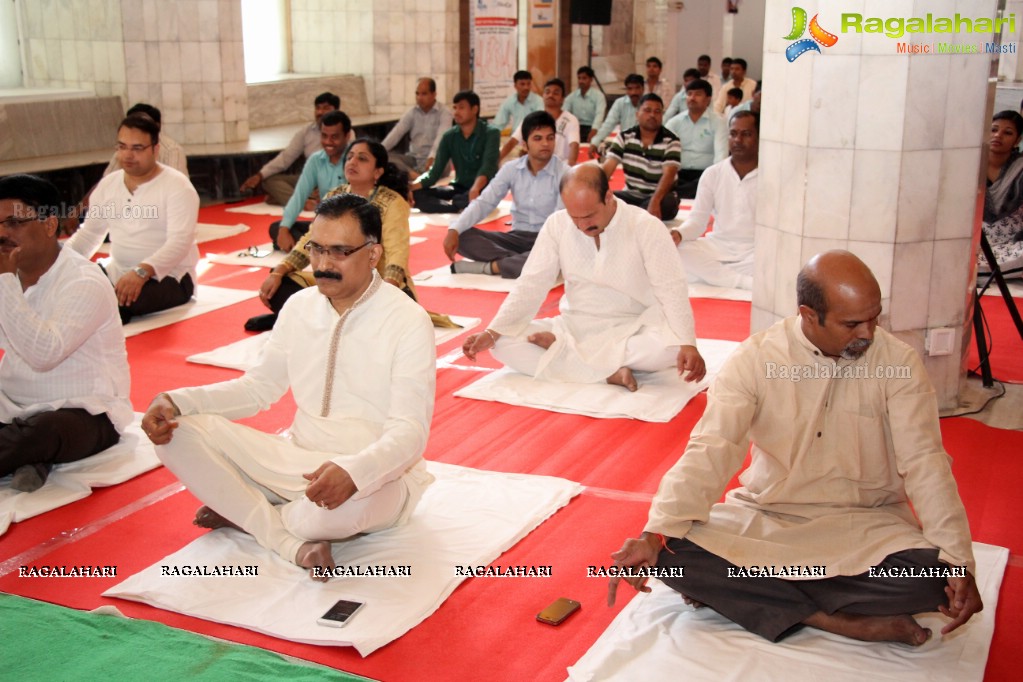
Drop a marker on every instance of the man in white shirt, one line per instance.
(424, 124)
(64, 378)
(703, 65)
(359, 358)
(728, 189)
(625, 307)
(566, 125)
(587, 103)
(150, 212)
(171, 153)
(739, 80)
(848, 492)
(279, 185)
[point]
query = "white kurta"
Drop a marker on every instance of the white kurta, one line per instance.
(155, 225)
(63, 344)
(633, 281)
(836, 461)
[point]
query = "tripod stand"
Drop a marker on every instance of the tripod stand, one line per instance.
(998, 277)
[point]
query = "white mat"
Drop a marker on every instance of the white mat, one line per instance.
(657, 634)
(263, 208)
(243, 354)
(132, 456)
(418, 221)
(700, 290)
(204, 232)
(443, 277)
(207, 299)
(1015, 288)
(660, 397)
(467, 517)
(243, 257)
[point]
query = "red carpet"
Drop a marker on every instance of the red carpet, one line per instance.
(486, 629)
(1004, 342)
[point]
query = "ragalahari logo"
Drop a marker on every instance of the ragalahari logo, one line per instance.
(817, 35)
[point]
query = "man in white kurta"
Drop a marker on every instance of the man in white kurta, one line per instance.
(845, 438)
(150, 212)
(728, 191)
(359, 358)
(625, 306)
(64, 378)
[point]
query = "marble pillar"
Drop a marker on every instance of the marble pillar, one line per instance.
(866, 149)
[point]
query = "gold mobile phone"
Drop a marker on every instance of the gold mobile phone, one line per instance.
(558, 611)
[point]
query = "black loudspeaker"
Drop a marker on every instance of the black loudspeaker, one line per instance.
(596, 12)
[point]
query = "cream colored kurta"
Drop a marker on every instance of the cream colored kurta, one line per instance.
(835, 461)
(634, 281)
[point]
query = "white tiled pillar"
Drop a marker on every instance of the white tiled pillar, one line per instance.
(865, 149)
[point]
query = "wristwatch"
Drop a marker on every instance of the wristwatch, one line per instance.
(141, 272)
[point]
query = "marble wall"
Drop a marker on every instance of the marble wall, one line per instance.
(391, 45)
(879, 153)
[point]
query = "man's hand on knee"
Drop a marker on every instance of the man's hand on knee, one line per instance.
(330, 486)
(690, 363)
(963, 601)
(159, 420)
(638, 552)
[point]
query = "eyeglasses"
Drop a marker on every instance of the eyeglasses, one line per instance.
(134, 149)
(334, 252)
(13, 223)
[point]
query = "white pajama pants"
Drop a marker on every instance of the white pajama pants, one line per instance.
(254, 480)
(703, 263)
(644, 351)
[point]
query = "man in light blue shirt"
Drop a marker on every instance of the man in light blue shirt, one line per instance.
(678, 102)
(534, 181)
(322, 171)
(588, 104)
(703, 134)
(622, 113)
(424, 124)
(523, 101)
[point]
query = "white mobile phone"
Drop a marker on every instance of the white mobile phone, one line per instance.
(340, 613)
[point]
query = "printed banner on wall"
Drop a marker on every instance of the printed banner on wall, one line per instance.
(495, 50)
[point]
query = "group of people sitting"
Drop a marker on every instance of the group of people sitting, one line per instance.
(836, 464)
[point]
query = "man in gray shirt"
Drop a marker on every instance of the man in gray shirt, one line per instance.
(424, 124)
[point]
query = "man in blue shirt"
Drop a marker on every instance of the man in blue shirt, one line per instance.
(523, 101)
(703, 134)
(587, 103)
(323, 171)
(533, 180)
(622, 112)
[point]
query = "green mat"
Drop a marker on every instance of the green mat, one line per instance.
(46, 642)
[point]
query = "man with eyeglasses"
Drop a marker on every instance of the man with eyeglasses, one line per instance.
(728, 190)
(650, 155)
(64, 378)
(359, 358)
(150, 212)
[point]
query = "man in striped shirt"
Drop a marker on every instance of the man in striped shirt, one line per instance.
(650, 155)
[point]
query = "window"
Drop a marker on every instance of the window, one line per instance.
(264, 36)
(10, 49)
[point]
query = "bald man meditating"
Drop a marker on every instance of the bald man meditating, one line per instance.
(844, 427)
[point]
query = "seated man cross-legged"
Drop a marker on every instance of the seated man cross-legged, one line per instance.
(359, 357)
(64, 373)
(848, 519)
(625, 306)
(533, 180)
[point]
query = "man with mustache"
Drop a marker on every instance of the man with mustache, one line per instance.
(844, 427)
(64, 373)
(359, 358)
(626, 306)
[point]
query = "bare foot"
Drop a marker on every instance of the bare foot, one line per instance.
(903, 628)
(313, 555)
(207, 518)
(623, 377)
(542, 339)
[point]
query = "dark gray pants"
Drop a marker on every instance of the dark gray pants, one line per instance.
(451, 198)
(54, 437)
(774, 608)
(157, 295)
(669, 204)
(509, 249)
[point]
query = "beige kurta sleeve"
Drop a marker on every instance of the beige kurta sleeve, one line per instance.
(394, 213)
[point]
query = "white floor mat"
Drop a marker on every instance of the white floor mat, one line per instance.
(207, 299)
(466, 518)
(263, 208)
(243, 354)
(658, 637)
(660, 397)
(443, 277)
(700, 290)
(245, 257)
(132, 456)
(418, 221)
